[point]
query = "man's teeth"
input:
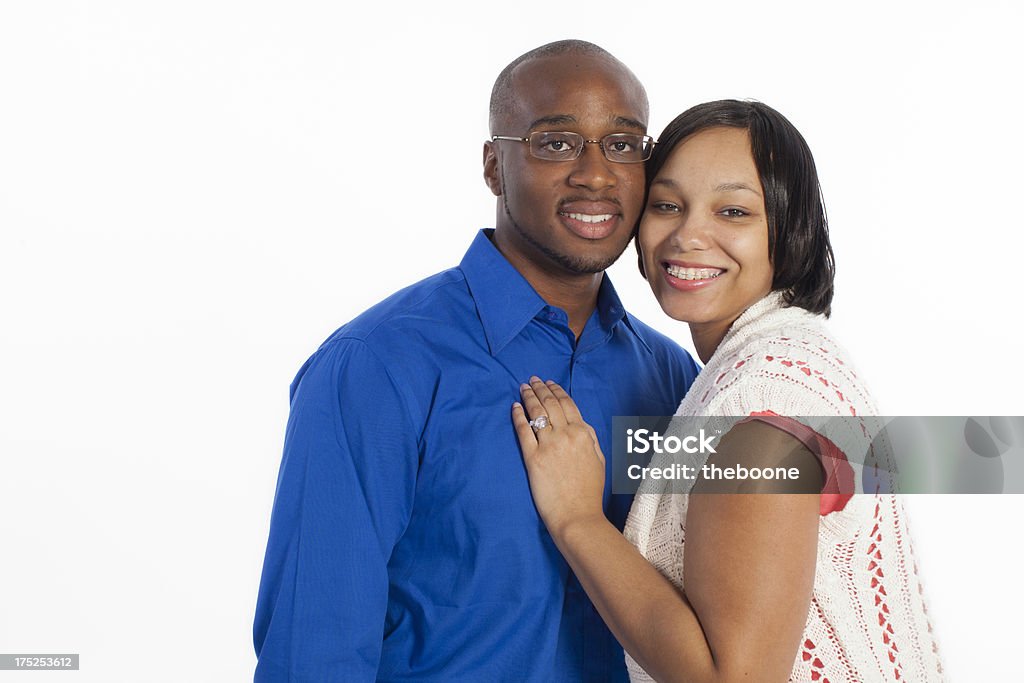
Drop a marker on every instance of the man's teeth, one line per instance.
(590, 218)
(694, 273)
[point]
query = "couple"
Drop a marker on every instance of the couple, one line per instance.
(405, 543)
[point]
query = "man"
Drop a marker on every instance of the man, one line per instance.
(404, 543)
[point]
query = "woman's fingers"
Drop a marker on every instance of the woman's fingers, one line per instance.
(569, 409)
(539, 401)
(524, 432)
(554, 402)
(597, 444)
(566, 479)
(554, 408)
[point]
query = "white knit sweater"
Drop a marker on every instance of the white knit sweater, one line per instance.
(867, 620)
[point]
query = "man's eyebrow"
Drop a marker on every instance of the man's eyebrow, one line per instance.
(553, 120)
(626, 122)
(569, 120)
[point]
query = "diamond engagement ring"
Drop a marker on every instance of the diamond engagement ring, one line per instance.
(540, 423)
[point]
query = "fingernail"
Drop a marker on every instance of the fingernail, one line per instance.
(550, 382)
(516, 404)
(534, 378)
(524, 387)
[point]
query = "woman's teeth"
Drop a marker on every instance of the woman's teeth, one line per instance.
(694, 273)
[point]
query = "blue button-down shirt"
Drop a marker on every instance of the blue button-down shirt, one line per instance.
(404, 543)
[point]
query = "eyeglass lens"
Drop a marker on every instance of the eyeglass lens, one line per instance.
(562, 146)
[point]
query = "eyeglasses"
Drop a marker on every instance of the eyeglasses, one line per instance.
(622, 148)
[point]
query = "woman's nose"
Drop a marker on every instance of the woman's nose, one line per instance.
(691, 233)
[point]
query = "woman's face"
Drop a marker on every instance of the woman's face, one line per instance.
(704, 232)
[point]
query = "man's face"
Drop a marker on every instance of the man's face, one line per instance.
(575, 216)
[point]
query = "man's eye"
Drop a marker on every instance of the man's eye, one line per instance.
(556, 143)
(621, 146)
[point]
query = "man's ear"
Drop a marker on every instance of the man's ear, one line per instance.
(492, 170)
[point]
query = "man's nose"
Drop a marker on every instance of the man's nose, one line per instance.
(592, 169)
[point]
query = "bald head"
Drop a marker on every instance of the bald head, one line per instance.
(506, 91)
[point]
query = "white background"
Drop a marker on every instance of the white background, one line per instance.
(194, 194)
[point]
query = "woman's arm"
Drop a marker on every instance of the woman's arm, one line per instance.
(749, 561)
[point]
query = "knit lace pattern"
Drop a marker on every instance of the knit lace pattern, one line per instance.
(868, 620)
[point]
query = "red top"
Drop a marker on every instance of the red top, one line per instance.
(839, 477)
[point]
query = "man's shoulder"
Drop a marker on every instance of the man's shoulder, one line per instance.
(409, 331)
(420, 307)
(391, 336)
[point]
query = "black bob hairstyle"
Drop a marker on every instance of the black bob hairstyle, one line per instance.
(798, 246)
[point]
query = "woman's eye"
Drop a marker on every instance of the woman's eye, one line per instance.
(733, 213)
(664, 206)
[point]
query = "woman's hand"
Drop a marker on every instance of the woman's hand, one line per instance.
(749, 562)
(563, 459)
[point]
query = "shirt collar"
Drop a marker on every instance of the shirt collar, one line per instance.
(611, 311)
(506, 302)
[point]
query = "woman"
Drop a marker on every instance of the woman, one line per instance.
(816, 587)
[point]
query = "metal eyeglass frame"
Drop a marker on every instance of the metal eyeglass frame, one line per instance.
(647, 143)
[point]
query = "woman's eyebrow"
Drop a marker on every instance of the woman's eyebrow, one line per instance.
(732, 187)
(721, 187)
(665, 181)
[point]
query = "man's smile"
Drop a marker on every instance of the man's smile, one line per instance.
(592, 220)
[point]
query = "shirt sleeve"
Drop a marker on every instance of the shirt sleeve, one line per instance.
(344, 497)
(838, 486)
